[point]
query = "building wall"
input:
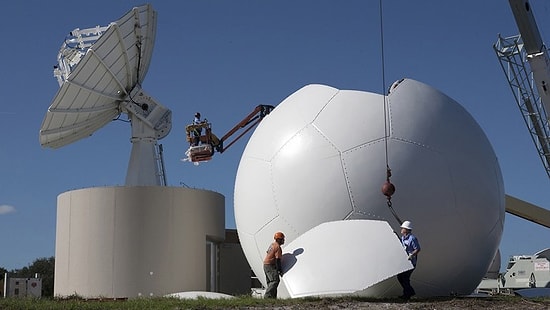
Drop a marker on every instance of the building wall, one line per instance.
(125, 242)
(235, 272)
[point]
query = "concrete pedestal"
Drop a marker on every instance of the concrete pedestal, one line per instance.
(127, 242)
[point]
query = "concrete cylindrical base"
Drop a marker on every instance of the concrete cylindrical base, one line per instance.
(126, 242)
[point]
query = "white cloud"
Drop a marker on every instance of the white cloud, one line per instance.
(5, 209)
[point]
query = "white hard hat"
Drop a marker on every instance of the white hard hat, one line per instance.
(407, 225)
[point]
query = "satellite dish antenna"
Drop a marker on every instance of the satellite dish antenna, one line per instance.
(100, 71)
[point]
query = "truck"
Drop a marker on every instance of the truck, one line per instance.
(527, 271)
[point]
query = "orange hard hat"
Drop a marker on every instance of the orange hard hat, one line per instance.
(279, 235)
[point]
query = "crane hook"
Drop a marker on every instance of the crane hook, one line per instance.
(388, 189)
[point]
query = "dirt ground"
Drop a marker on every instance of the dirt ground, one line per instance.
(464, 303)
(486, 303)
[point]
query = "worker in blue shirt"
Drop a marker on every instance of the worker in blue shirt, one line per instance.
(197, 131)
(412, 247)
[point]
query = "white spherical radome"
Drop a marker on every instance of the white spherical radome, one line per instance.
(320, 156)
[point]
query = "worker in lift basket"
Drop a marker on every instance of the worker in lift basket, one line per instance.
(197, 131)
(272, 265)
(412, 247)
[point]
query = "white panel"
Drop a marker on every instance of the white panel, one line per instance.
(319, 179)
(367, 204)
(342, 257)
(414, 107)
(197, 295)
(289, 117)
(347, 113)
(256, 174)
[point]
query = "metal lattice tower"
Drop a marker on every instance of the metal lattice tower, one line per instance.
(513, 59)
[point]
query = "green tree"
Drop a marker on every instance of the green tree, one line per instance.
(2, 272)
(42, 266)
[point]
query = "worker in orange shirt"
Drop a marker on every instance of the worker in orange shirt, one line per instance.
(272, 265)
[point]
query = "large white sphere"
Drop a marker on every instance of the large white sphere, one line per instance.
(320, 156)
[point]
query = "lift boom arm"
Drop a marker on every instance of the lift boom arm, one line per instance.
(249, 122)
(209, 143)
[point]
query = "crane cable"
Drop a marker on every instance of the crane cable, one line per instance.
(388, 189)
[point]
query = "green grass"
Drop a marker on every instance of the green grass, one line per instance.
(247, 302)
(145, 303)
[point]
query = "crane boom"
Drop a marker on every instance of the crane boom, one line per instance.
(525, 62)
(527, 211)
(527, 26)
(537, 55)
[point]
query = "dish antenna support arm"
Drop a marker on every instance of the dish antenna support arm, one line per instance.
(151, 122)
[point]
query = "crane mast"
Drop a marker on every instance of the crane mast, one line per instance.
(525, 62)
(524, 59)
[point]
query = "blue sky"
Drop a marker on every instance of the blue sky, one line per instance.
(223, 58)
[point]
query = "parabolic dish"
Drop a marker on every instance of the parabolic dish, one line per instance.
(94, 86)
